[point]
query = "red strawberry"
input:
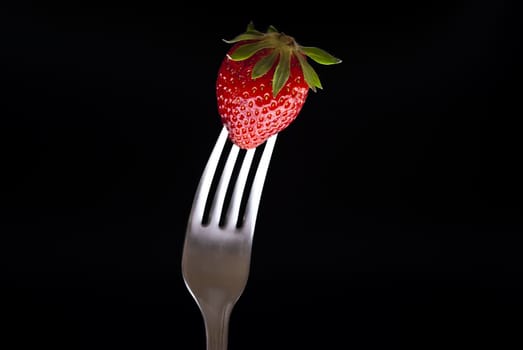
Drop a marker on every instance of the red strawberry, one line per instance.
(263, 83)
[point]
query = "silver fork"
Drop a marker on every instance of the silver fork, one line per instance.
(217, 253)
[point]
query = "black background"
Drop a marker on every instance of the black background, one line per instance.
(391, 214)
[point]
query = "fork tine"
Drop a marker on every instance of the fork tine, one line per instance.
(253, 202)
(218, 201)
(202, 191)
(231, 219)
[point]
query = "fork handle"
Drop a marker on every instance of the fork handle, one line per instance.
(216, 321)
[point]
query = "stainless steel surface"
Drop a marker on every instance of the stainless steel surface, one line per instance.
(217, 255)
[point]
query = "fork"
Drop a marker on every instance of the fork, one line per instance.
(217, 250)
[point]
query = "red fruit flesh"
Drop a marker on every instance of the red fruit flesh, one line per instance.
(247, 106)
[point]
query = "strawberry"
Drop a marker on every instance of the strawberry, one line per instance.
(263, 83)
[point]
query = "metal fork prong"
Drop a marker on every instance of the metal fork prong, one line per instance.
(204, 186)
(219, 198)
(231, 217)
(253, 203)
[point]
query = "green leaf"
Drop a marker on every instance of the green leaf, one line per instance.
(282, 72)
(254, 31)
(319, 55)
(250, 26)
(245, 51)
(309, 73)
(250, 34)
(272, 29)
(264, 65)
(245, 36)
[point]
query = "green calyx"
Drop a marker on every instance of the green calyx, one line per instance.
(283, 48)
